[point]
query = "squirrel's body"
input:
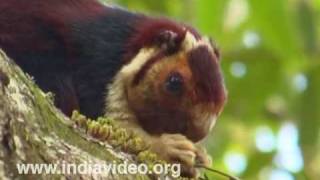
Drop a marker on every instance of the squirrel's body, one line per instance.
(63, 54)
(158, 76)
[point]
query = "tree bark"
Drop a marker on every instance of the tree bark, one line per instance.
(32, 130)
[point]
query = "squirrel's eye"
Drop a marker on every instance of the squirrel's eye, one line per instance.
(174, 83)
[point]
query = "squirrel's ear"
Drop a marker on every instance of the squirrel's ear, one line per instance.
(168, 40)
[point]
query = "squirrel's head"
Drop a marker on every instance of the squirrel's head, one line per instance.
(172, 80)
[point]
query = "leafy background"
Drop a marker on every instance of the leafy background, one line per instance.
(271, 62)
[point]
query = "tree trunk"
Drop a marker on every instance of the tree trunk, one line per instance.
(32, 130)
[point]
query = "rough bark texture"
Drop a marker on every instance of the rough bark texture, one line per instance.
(32, 130)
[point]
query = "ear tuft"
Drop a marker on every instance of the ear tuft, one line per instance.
(168, 40)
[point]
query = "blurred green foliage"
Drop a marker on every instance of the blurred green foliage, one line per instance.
(271, 62)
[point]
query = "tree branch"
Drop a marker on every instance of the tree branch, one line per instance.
(32, 130)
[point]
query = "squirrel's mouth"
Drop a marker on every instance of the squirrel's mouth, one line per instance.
(199, 128)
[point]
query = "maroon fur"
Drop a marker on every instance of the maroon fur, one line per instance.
(26, 25)
(207, 75)
(23, 19)
(148, 32)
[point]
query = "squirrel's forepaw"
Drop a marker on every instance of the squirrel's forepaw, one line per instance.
(176, 148)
